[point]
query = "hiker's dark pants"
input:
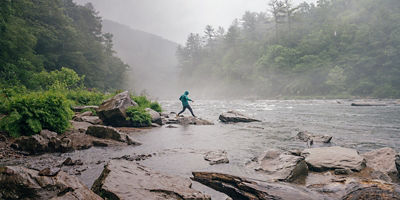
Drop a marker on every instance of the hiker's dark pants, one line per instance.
(184, 108)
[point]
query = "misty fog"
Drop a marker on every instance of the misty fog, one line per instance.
(250, 49)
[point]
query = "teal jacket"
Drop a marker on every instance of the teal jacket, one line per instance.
(184, 99)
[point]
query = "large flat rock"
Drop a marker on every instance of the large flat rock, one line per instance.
(21, 183)
(282, 166)
(122, 179)
(382, 160)
(234, 117)
(327, 158)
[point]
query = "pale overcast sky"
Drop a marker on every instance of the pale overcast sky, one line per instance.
(175, 19)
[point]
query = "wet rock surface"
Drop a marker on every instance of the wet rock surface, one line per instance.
(312, 139)
(21, 183)
(112, 111)
(242, 188)
(282, 166)
(216, 157)
(326, 158)
(122, 179)
(234, 117)
(155, 116)
(382, 160)
(182, 120)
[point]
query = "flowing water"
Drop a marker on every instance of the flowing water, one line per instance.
(179, 151)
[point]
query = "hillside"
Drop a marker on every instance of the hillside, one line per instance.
(151, 57)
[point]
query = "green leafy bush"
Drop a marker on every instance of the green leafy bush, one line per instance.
(30, 113)
(58, 79)
(138, 116)
(85, 97)
(143, 102)
(155, 106)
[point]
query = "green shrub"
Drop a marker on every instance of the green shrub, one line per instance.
(143, 102)
(30, 113)
(85, 97)
(138, 116)
(155, 106)
(58, 79)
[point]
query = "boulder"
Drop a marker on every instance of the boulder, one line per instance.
(112, 111)
(21, 183)
(244, 188)
(92, 119)
(80, 126)
(327, 158)
(35, 144)
(108, 132)
(282, 166)
(155, 116)
(382, 160)
(234, 117)
(216, 157)
(123, 179)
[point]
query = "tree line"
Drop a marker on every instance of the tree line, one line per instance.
(38, 36)
(337, 48)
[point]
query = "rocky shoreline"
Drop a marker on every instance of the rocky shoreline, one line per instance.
(321, 171)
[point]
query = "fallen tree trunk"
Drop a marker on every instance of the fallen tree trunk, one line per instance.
(241, 188)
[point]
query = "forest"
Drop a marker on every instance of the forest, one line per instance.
(334, 48)
(40, 36)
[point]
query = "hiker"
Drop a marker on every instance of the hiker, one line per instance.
(185, 103)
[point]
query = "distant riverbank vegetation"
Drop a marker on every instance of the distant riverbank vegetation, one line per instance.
(334, 48)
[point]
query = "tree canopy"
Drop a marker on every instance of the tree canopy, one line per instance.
(333, 47)
(42, 35)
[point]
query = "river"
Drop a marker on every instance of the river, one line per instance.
(179, 151)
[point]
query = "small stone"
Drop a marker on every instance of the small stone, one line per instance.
(70, 162)
(98, 143)
(343, 171)
(171, 126)
(49, 171)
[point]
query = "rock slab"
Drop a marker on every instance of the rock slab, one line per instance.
(382, 160)
(242, 188)
(122, 179)
(112, 111)
(282, 166)
(21, 183)
(108, 132)
(234, 117)
(327, 158)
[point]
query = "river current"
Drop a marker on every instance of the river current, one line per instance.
(179, 151)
